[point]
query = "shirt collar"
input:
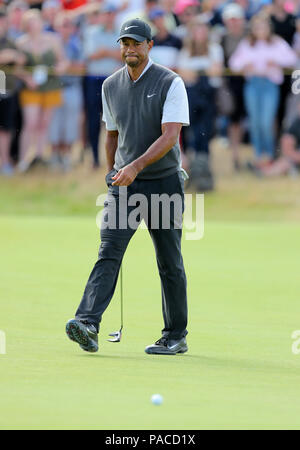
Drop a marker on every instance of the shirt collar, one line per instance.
(150, 62)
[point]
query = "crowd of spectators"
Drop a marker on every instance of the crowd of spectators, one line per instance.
(235, 57)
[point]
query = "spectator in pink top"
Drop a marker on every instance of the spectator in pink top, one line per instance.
(262, 57)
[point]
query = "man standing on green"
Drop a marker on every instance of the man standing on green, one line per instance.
(144, 108)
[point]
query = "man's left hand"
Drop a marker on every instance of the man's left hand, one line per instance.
(125, 176)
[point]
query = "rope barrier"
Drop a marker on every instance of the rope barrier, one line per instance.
(9, 70)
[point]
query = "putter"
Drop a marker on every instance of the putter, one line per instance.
(116, 335)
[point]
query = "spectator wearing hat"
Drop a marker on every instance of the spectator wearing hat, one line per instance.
(152, 6)
(185, 10)
(233, 17)
(166, 46)
(102, 56)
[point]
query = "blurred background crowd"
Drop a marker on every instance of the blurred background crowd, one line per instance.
(238, 60)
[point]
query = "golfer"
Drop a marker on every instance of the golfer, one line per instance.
(144, 107)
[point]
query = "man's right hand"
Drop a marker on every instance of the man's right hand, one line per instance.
(125, 176)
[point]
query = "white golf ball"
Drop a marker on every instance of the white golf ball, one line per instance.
(157, 399)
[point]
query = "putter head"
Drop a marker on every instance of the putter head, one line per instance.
(116, 336)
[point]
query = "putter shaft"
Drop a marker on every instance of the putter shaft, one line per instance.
(118, 334)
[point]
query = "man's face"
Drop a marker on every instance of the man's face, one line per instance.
(66, 28)
(235, 25)
(134, 53)
(159, 22)
(109, 18)
(188, 14)
(50, 13)
(15, 16)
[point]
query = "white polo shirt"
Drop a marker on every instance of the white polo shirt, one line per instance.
(175, 109)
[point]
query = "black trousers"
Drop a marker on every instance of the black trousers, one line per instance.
(165, 230)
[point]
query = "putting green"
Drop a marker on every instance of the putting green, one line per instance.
(240, 371)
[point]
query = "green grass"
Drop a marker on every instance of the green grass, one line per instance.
(236, 198)
(240, 372)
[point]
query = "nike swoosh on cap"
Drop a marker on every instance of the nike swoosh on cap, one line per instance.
(132, 26)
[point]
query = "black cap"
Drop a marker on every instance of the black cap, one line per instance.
(136, 29)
